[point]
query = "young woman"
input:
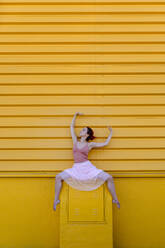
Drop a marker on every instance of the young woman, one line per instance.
(84, 175)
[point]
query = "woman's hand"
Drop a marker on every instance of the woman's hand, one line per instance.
(110, 128)
(78, 113)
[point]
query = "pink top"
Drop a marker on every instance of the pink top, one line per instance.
(80, 155)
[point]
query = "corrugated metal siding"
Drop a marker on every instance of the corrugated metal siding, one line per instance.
(105, 59)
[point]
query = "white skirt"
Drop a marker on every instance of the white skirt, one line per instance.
(84, 176)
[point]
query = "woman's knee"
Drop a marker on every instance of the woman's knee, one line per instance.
(58, 177)
(110, 177)
(106, 176)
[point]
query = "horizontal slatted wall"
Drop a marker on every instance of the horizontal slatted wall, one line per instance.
(103, 58)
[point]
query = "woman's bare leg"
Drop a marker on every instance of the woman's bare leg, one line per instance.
(111, 188)
(58, 186)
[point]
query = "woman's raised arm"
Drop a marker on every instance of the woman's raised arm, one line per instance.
(96, 144)
(74, 137)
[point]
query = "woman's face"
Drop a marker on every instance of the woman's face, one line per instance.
(83, 132)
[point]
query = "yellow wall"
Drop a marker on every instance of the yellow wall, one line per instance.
(102, 58)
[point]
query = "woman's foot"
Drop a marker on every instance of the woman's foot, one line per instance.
(55, 203)
(117, 202)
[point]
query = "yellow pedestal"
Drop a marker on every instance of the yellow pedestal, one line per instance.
(86, 218)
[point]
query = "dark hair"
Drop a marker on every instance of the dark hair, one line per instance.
(90, 132)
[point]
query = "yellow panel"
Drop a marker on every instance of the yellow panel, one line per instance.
(140, 222)
(92, 79)
(91, 89)
(68, 144)
(26, 213)
(118, 18)
(109, 165)
(85, 229)
(130, 121)
(84, 38)
(37, 28)
(85, 8)
(89, 49)
(82, 59)
(134, 194)
(57, 132)
(82, 1)
(32, 106)
(86, 206)
(99, 155)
